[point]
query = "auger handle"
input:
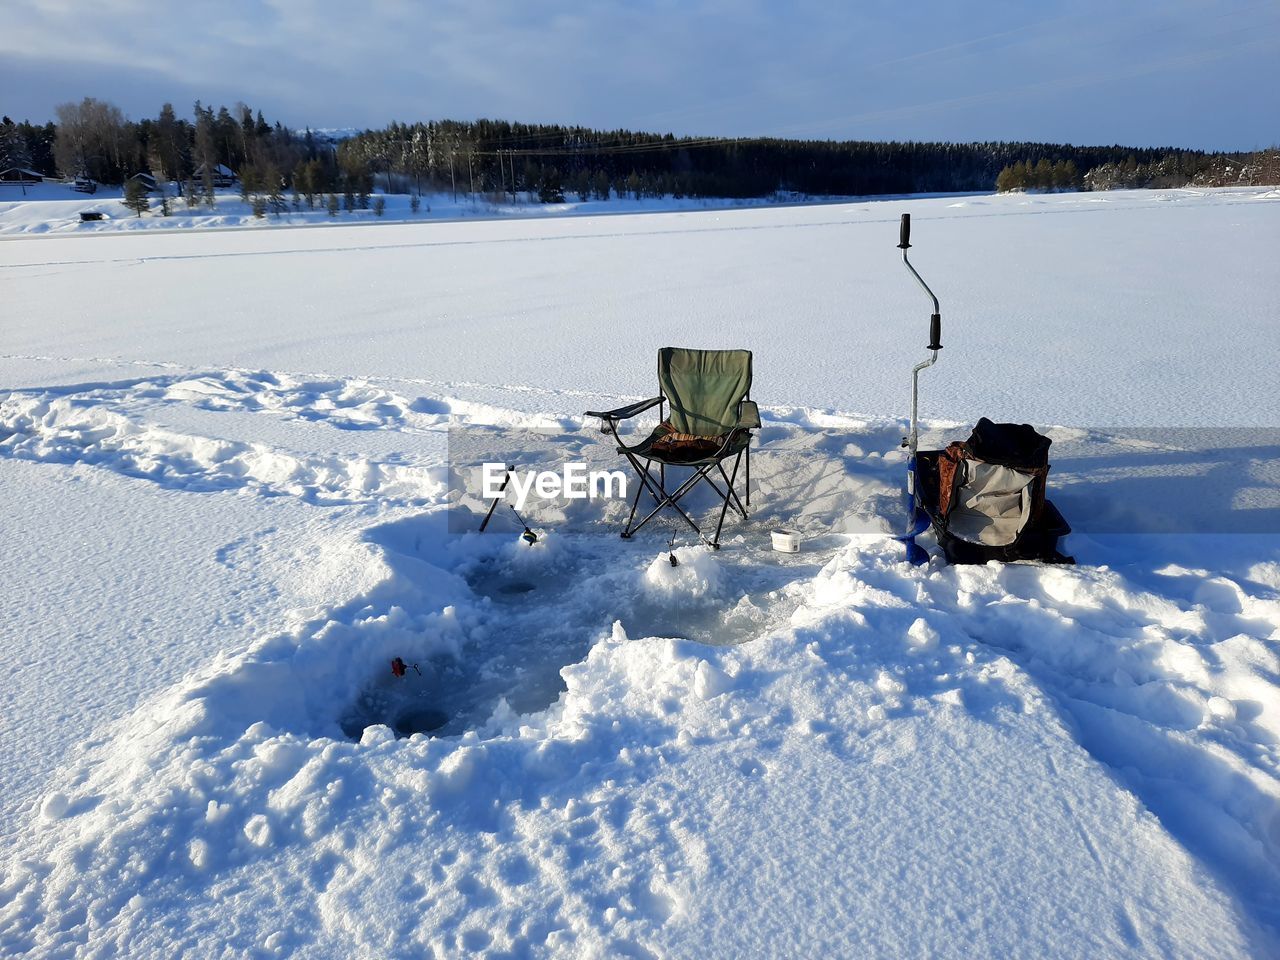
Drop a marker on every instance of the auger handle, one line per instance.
(935, 319)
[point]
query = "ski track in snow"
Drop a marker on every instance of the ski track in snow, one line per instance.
(566, 744)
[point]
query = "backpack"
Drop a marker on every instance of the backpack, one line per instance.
(986, 496)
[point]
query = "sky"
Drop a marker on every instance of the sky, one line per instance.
(1190, 73)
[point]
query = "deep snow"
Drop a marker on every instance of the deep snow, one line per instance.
(232, 500)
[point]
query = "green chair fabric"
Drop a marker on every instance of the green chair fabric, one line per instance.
(704, 388)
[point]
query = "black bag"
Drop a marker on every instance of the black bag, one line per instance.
(986, 496)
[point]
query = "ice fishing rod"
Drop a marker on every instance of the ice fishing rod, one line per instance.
(498, 499)
(918, 519)
(528, 536)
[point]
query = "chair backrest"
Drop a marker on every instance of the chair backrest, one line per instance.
(703, 388)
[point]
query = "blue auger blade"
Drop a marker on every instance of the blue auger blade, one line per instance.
(920, 521)
(919, 524)
(917, 555)
(920, 518)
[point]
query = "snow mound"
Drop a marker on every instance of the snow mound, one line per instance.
(696, 576)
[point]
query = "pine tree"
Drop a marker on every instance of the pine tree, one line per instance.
(600, 185)
(226, 138)
(206, 151)
(1042, 176)
(1018, 176)
(1065, 175)
(156, 162)
(549, 189)
(274, 189)
(415, 203)
(135, 196)
(169, 144)
(332, 205)
(13, 149)
(305, 181)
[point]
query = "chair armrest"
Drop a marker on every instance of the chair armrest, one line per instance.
(749, 415)
(627, 412)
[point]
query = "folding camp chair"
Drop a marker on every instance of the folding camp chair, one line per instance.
(709, 421)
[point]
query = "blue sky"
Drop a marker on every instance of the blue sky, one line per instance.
(1199, 73)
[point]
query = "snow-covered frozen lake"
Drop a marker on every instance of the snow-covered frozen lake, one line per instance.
(230, 501)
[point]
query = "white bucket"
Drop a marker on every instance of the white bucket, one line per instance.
(786, 541)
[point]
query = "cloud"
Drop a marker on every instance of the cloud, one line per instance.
(872, 69)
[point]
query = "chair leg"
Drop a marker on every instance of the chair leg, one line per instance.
(646, 478)
(645, 484)
(669, 500)
(662, 499)
(626, 530)
(748, 480)
(737, 503)
(725, 506)
(674, 506)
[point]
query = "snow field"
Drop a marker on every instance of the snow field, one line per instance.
(54, 208)
(1130, 309)
(748, 754)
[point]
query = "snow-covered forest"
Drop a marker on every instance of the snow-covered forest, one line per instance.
(491, 158)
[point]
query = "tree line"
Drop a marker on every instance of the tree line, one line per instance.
(1175, 168)
(497, 158)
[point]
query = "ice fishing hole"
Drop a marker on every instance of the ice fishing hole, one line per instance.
(424, 720)
(408, 706)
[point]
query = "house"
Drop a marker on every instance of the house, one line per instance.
(223, 176)
(84, 184)
(20, 176)
(147, 180)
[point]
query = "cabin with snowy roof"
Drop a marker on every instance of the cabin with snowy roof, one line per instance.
(223, 176)
(147, 180)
